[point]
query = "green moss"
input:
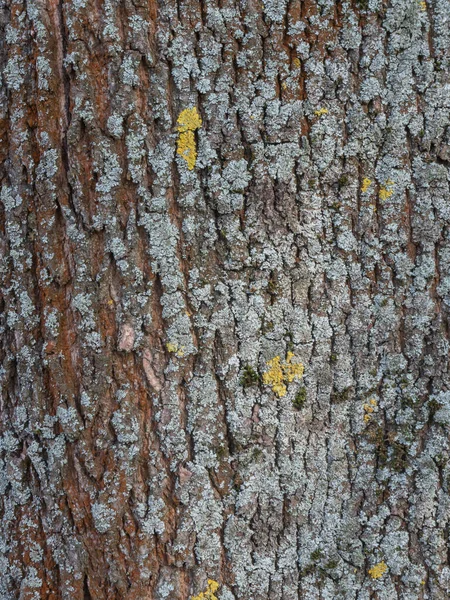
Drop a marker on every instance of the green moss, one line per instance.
(221, 452)
(256, 453)
(433, 406)
(307, 570)
(399, 458)
(320, 570)
(267, 326)
(272, 287)
(343, 181)
(388, 451)
(249, 377)
(408, 401)
(316, 555)
(378, 438)
(342, 396)
(300, 398)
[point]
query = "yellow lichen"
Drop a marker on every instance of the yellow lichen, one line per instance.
(321, 111)
(188, 121)
(292, 369)
(279, 374)
(365, 184)
(296, 62)
(186, 148)
(423, 5)
(369, 409)
(385, 193)
(378, 570)
(274, 377)
(173, 348)
(209, 593)
(386, 190)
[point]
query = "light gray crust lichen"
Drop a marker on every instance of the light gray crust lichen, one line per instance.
(136, 294)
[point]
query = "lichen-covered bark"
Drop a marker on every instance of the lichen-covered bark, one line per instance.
(152, 266)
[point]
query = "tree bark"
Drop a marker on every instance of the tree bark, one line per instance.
(196, 197)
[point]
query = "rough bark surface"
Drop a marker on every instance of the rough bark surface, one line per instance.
(142, 451)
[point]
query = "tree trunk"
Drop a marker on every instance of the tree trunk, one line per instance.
(198, 197)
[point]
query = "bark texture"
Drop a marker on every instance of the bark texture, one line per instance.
(151, 268)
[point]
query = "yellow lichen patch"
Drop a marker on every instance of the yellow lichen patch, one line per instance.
(279, 374)
(386, 190)
(274, 377)
(209, 593)
(188, 121)
(366, 184)
(292, 369)
(296, 62)
(378, 570)
(423, 5)
(173, 348)
(369, 409)
(187, 149)
(321, 111)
